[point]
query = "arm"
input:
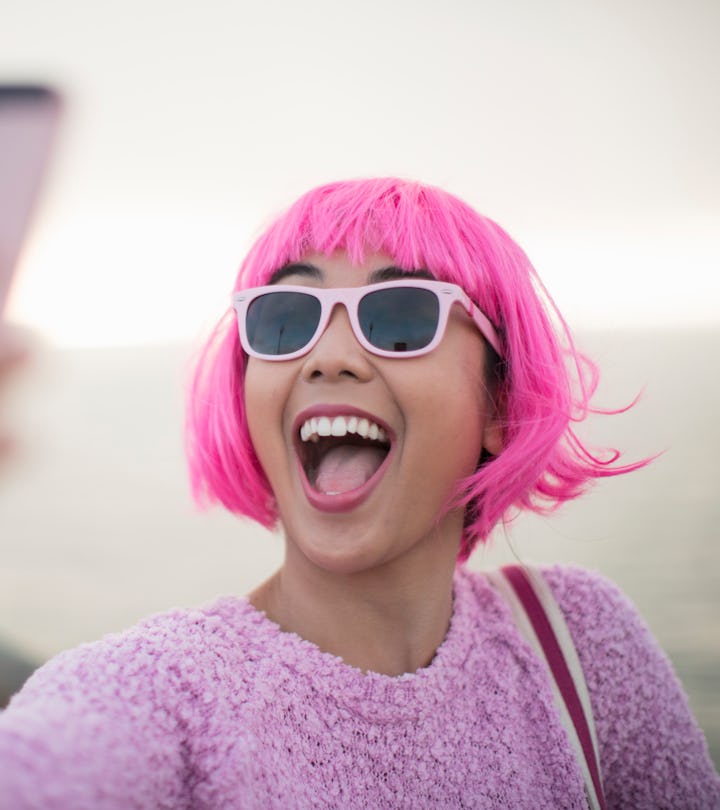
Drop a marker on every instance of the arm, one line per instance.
(13, 353)
(90, 730)
(653, 754)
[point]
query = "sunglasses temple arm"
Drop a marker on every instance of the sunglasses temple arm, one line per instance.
(484, 324)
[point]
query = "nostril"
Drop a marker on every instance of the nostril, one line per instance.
(337, 354)
(318, 372)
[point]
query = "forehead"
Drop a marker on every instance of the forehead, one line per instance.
(339, 270)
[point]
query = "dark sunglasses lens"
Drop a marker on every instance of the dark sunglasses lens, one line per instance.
(399, 320)
(282, 322)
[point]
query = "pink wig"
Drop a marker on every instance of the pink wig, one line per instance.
(542, 384)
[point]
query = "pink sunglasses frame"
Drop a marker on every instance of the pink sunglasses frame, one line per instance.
(329, 297)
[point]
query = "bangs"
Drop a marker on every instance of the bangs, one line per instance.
(416, 226)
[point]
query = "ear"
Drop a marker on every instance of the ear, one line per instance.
(494, 403)
(492, 435)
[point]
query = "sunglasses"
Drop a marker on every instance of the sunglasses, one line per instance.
(405, 318)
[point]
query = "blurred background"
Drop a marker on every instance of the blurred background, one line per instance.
(589, 130)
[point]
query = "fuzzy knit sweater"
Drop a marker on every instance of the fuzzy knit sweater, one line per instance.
(219, 708)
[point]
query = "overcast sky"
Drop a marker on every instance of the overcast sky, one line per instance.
(589, 130)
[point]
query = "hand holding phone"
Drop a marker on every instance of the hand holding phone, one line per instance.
(28, 121)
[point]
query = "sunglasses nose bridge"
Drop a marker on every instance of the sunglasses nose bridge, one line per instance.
(331, 316)
(336, 352)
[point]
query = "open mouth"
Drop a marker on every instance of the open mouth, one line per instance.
(341, 453)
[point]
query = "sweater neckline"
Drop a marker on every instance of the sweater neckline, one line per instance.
(373, 694)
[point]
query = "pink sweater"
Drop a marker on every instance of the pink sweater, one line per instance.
(218, 708)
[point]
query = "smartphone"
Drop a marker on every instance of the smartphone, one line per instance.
(29, 115)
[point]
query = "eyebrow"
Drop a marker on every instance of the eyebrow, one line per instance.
(296, 269)
(312, 272)
(392, 273)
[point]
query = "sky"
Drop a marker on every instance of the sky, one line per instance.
(589, 130)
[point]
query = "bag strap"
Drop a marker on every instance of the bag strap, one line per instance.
(543, 626)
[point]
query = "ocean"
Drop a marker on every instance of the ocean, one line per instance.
(97, 529)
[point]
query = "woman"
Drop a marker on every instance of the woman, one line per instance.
(395, 386)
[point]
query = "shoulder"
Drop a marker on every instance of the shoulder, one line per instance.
(580, 592)
(623, 665)
(574, 586)
(606, 626)
(652, 750)
(625, 668)
(607, 630)
(653, 754)
(593, 603)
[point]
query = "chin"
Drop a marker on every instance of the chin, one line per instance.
(340, 551)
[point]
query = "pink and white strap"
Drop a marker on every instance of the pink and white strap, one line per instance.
(541, 623)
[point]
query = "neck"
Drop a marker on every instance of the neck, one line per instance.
(389, 620)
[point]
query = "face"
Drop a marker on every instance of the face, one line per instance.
(354, 503)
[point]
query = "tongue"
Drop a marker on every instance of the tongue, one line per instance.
(347, 467)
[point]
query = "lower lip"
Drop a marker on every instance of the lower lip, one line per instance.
(343, 501)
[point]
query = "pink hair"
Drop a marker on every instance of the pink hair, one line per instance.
(543, 385)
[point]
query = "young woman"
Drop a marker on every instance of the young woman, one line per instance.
(391, 381)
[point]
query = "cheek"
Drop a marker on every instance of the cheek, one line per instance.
(461, 406)
(445, 429)
(263, 393)
(255, 396)
(458, 443)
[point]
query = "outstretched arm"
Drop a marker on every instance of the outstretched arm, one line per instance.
(91, 729)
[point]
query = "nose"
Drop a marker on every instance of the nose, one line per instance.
(337, 355)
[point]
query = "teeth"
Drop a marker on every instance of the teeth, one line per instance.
(309, 430)
(313, 428)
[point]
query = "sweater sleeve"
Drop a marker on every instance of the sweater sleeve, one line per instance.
(90, 729)
(652, 753)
